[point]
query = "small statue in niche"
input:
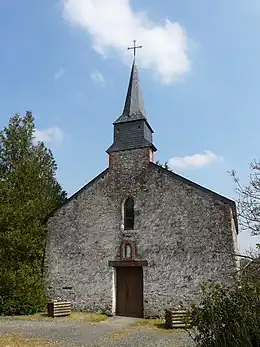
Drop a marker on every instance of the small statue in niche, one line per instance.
(128, 251)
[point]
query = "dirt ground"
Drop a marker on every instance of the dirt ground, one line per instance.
(86, 330)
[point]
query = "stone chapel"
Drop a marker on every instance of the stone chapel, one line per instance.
(138, 238)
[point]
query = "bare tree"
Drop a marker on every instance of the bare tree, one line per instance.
(248, 201)
(165, 165)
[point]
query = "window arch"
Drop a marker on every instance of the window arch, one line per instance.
(129, 214)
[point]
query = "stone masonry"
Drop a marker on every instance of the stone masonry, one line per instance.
(186, 233)
(181, 231)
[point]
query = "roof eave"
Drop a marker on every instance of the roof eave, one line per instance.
(135, 120)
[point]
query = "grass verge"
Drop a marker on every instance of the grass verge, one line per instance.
(15, 340)
(152, 324)
(89, 317)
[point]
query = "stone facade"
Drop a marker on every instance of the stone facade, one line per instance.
(185, 232)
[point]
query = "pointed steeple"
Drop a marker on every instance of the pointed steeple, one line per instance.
(134, 104)
(131, 129)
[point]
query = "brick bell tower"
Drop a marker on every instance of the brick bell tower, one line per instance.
(132, 130)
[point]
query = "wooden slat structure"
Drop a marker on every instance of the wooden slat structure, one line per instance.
(177, 319)
(59, 308)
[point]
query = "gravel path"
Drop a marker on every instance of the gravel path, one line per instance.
(116, 332)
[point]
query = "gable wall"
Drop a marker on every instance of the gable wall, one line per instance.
(190, 240)
(181, 231)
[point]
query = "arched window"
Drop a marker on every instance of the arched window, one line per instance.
(128, 251)
(129, 214)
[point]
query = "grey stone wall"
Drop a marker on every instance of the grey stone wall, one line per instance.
(185, 233)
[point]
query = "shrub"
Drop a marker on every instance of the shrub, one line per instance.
(22, 290)
(228, 316)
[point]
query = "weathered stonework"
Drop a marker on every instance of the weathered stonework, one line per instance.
(186, 233)
(183, 233)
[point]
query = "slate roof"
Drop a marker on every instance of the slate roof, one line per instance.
(128, 132)
(135, 143)
(134, 103)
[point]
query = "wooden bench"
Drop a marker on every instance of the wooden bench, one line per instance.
(59, 308)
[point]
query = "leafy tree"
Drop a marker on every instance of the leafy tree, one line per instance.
(29, 192)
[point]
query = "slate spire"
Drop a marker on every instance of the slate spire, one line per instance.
(131, 129)
(134, 104)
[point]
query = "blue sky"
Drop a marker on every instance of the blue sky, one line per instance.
(67, 62)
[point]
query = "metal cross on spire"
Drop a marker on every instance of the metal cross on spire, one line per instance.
(134, 47)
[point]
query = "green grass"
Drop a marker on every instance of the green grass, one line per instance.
(89, 317)
(151, 323)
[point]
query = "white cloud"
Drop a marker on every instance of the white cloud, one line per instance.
(195, 160)
(50, 135)
(59, 73)
(113, 25)
(98, 78)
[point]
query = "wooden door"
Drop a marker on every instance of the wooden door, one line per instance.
(129, 296)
